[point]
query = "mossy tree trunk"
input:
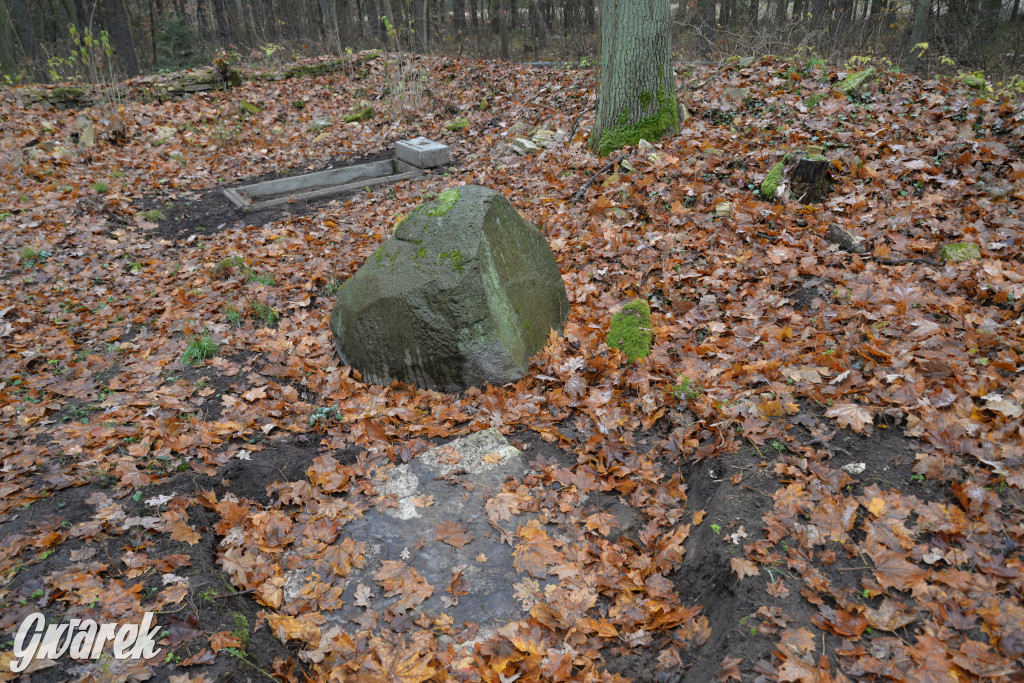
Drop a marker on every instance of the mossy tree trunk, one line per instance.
(636, 92)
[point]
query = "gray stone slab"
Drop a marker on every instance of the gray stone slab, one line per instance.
(422, 153)
(460, 476)
(321, 184)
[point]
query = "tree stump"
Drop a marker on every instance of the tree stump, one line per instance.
(810, 180)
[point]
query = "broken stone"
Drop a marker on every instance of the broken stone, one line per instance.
(524, 146)
(164, 134)
(321, 122)
(450, 483)
(464, 295)
(86, 131)
(736, 95)
(846, 240)
(723, 210)
(47, 126)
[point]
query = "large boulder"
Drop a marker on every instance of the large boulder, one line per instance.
(465, 293)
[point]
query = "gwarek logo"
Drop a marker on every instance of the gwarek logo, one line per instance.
(82, 639)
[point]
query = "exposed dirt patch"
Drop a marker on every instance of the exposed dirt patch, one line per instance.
(731, 495)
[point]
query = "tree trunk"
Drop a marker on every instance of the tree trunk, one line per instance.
(420, 23)
(922, 8)
(459, 15)
(636, 92)
(220, 15)
(26, 34)
(121, 37)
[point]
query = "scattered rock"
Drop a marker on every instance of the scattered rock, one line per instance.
(854, 84)
(959, 251)
(457, 124)
(47, 126)
(321, 122)
(86, 131)
(364, 114)
(247, 107)
(846, 240)
(465, 293)
(723, 210)
(164, 134)
(524, 146)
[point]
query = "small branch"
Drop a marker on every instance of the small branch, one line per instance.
(231, 595)
(901, 261)
(583, 190)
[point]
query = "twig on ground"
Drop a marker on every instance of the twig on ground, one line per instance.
(583, 190)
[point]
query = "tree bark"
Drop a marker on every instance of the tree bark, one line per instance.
(922, 8)
(459, 15)
(636, 91)
(220, 15)
(26, 34)
(121, 37)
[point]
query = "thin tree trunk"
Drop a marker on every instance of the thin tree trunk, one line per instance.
(220, 17)
(637, 97)
(26, 35)
(459, 15)
(922, 8)
(121, 37)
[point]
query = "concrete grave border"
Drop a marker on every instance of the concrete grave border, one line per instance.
(413, 157)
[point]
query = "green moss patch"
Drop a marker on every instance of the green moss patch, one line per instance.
(443, 204)
(364, 114)
(959, 251)
(770, 184)
(630, 330)
(457, 124)
(852, 84)
(664, 120)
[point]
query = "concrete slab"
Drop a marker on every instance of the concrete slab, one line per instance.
(450, 483)
(412, 156)
(321, 184)
(422, 153)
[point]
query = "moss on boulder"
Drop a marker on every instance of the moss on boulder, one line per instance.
(464, 294)
(854, 83)
(363, 114)
(630, 330)
(959, 251)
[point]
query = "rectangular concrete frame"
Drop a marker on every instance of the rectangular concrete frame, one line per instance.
(321, 184)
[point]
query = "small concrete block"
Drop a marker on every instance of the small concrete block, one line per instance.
(422, 153)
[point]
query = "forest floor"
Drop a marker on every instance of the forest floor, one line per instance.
(817, 474)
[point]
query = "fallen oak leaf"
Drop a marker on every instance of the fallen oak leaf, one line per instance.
(743, 567)
(852, 416)
(729, 668)
(455, 534)
(223, 640)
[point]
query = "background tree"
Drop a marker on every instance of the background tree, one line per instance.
(637, 92)
(35, 40)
